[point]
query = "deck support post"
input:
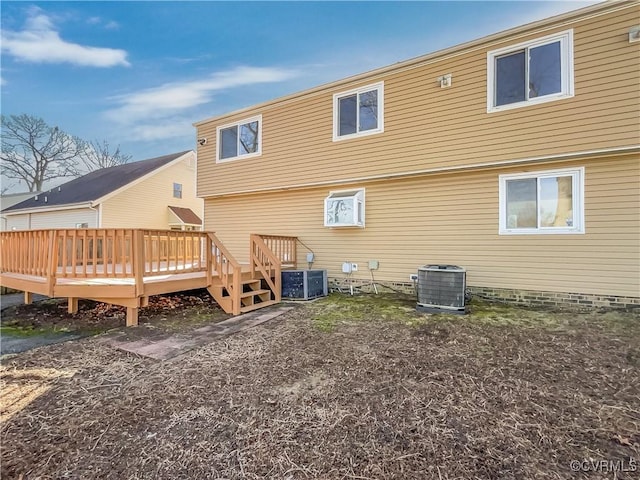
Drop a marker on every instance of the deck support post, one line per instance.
(28, 298)
(138, 261)
(132, 316)
(72, 305)
(208, 255)
(237, 290)
(53, 263)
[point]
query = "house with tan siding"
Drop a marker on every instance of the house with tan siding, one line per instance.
(515, 156)
(158, 193)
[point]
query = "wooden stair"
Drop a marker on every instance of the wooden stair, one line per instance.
(240, 292)
(252, 297)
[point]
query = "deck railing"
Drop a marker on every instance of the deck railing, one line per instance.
(122, 253)
(267, 262)
(94, 253)
(284, 248)
(26, 252)
(102, 253)
(175, 251)
(229, 271)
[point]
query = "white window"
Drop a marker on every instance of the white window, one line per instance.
(177, 190)
(344, 208)
(542, 202)
(532, 72)
(358, 112)
(239, 140)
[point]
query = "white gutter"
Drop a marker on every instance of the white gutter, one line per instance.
(53, 208)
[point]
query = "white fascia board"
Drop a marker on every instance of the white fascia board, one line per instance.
(54, 208)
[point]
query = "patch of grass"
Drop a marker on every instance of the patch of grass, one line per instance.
(26, 332)
(329, 312)
(496, 314)
(177, 321)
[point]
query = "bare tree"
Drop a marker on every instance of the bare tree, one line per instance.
(35, 153)
(6, 187)
(98, 155)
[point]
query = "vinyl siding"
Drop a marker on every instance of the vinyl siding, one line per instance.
(453, 219)
(427, 127)
(17, 222)
(53, 219)
(144, 205)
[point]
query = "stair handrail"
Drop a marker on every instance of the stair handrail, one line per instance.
(283, 247)
(259, 252)
(228, 269)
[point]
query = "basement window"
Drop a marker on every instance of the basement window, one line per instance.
(344, 208)
(239, 140)
(547, 202)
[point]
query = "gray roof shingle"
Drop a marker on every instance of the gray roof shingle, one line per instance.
(96, 184)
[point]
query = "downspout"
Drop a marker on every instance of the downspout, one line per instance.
(98, 214)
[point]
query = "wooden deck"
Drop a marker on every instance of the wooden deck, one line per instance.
(127, 266)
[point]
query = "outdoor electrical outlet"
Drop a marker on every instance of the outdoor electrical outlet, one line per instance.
(413, 277)
(354, 267)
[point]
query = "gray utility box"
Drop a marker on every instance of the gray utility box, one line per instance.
(304, 284)
(441, 289)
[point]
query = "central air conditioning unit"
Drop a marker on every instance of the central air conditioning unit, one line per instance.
(441, 289)
(304, 284)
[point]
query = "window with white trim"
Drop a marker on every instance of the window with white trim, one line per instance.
(344, 208)
(542, 202)
(533, 72)
(358, 112)
(177, 190)
(239, 140)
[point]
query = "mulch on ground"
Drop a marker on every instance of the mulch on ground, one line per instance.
(164, 312)
(345, 387)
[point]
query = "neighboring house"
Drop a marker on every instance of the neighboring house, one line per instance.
(515, 156)
(158, 193)
(10, 199)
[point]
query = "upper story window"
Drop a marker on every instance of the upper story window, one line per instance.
(532, 72)
(240, 140)
(542, 202)
(358, 112)
(177, 190)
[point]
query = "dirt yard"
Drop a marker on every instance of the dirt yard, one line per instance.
(342, 388)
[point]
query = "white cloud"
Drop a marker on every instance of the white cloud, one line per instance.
(171, 127)
(156, 112)
(39, 42)
(106, 24)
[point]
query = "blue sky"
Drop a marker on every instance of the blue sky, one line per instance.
(138, 74)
